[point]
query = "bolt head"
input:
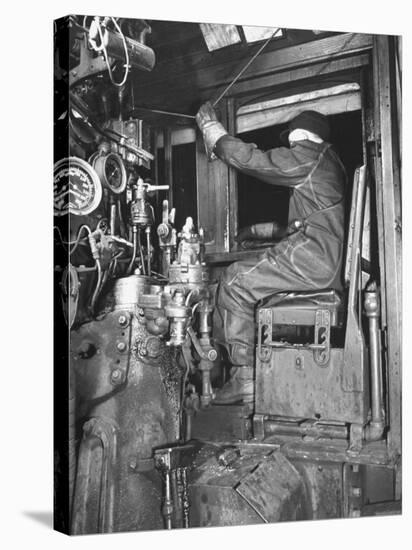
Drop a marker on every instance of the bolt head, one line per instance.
(116, 376)
(122, 320)
(121, 346)
(356, 491)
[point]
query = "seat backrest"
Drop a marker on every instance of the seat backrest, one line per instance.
(354, 376)
(354, 241)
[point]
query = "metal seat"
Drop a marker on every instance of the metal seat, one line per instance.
(311, 357)
(299, 308)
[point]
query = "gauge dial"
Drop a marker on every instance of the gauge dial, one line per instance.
(77, 188)
(111, 171)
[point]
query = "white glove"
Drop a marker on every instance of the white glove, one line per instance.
(210, 127)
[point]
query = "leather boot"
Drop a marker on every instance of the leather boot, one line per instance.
(238, 389)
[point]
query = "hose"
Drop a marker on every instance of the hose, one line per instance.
(106, 57)
(74, 243)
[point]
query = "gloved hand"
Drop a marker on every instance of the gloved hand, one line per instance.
(245, 234)
(206, 114)
(210, 127)
(268, 231)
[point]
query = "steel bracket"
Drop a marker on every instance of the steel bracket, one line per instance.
(259, 427)
(322, 337)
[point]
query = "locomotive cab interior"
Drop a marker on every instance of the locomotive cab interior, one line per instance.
(154, 225)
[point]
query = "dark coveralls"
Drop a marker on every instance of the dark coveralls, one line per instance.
(310, 258)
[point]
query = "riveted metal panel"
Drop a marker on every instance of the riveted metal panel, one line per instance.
(292, 384)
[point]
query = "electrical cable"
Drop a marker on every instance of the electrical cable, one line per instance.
(105, 54)
(77, 241)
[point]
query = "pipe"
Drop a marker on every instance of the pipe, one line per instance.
(149, 259)
(112, 217)
(167, 503)
(139, 243)
(161, 112)
(97, 287)
(185, 497)
(130, 267)
(207, 355)
(375, 429)
(140, 56)
(274, 427)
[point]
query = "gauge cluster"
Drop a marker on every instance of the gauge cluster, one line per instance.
(77, 188)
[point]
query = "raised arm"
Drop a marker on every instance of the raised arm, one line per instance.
(281, 166)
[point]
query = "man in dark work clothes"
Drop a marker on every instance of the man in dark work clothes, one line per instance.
(309, 253)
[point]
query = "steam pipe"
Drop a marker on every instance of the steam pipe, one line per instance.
(374, 430)
(112, 217)
(274, 427)
(97, 287)
(129, 269)
(139, 241)
(149, 259)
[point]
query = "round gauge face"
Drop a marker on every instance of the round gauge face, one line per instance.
(111, 171)
(115, 173)
(77, 188)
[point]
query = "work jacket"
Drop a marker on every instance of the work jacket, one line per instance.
(316, 177)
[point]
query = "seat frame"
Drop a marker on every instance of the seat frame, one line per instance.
(341, 373)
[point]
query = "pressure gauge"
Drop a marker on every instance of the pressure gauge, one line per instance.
(111, 171)
(77, 187)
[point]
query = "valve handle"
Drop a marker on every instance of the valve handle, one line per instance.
(150, 187)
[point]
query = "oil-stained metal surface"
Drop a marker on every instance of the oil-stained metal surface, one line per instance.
(222, 423)
(142, 406)
(323, 482)
(255, 486)
(292, 384)
(275, 490)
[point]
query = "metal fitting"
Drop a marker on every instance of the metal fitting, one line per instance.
(121, 346)
(356, 492)
(116, 377)
(212, 355)
(122, 320)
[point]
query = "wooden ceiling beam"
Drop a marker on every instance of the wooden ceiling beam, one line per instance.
(290, 57)
(180, 95)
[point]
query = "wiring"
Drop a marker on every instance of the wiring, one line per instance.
(77, 240)
(102, 48)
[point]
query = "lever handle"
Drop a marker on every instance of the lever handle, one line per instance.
(150, 187)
